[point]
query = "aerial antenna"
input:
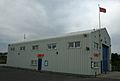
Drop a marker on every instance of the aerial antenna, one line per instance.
(24, 36)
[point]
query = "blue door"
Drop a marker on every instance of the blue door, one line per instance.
(104, 62)
(39, 64)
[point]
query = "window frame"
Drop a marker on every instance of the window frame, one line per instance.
(74, 44)
(46, 63)
(35, 47)
(22, 48)
(49, 46)
(71, 45)
(77, 44)
(34, 62)
(52, 46)
(96, 64)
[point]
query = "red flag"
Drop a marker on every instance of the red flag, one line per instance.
(102, 10)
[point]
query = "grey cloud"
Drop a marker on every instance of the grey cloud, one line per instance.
(115, 43)
(3, 46)
(44, 18)
(24, 16)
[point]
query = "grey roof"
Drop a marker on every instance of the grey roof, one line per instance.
(77, 33)
(63, 35)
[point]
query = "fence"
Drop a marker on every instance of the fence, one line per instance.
(3, 59)
(115, 68)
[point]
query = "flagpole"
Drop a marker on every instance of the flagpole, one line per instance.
(99, 39)
(99, 30)
(99, 17)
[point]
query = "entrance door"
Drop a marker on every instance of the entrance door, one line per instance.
(39, 64)
(105, 57)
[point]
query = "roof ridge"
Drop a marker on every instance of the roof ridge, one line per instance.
(62, 35)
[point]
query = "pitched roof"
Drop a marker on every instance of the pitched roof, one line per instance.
(79, 32)
(63, 35)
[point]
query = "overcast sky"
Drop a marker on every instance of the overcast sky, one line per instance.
(44, 18)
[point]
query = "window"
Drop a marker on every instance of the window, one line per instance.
(71, 44)
(33, 62)
(92, 64)
(12, 49)
(77, 44)
(35, 47)
(96, 64)
(22, 48)
(52, 46)
(49, 46)
(46, 63)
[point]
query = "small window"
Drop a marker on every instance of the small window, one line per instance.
(33, 62)
(35, 47)
(77, 44)
(71, 44)
(92, 64)
(49, 46)
(52, 46)
(22, 48)
(46, 63)
(12, 49)
(96, 64)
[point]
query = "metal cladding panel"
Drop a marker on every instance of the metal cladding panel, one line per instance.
(105, 39)
(69, 60)
(21, 59)
(61, 59)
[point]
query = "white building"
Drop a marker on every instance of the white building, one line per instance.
(87, 52)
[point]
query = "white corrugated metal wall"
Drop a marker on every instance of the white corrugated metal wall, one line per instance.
(68, 60)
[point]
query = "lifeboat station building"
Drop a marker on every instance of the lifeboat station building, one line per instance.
(85, 52)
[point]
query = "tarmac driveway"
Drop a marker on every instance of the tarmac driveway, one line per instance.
(10, 74)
